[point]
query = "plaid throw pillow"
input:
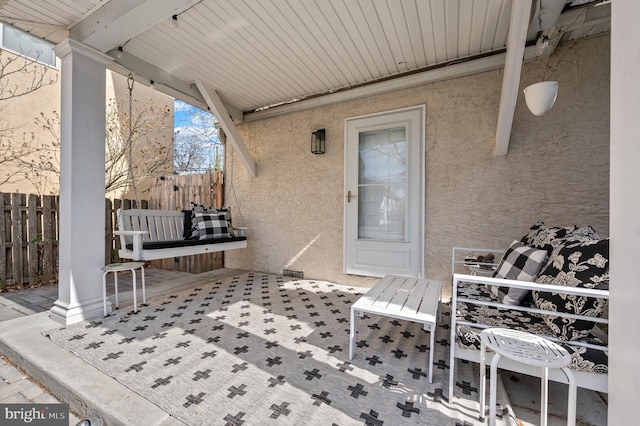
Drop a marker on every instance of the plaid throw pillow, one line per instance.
(192, 232)
(518, 263)
(211, 226)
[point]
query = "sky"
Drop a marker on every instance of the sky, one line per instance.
(191, 121)
(184, 118)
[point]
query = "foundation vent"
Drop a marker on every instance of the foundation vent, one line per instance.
(294, 274)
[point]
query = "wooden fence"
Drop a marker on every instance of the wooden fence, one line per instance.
(176, 192)
(112, 241)
(28, 239)
(29, 229)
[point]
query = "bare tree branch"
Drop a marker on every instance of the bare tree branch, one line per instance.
(151, 154)
(197, 147)
(19, 76)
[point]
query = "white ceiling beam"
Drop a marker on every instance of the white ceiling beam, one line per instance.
(120, 20)
(165, 82)
(520, 15)
(218, 109)
(545, 15)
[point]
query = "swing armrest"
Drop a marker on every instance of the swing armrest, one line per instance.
(137, 240)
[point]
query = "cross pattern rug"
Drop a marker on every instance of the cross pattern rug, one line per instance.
(260, 349)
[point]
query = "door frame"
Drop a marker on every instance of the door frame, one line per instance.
(422, 108)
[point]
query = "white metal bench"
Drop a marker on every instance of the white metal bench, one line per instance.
(159, 234)
(587, 380)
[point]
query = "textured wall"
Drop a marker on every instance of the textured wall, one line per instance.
(556, 170)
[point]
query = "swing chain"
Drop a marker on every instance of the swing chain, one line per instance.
(130, 82)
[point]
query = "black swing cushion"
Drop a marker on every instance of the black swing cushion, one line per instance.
(156, 245)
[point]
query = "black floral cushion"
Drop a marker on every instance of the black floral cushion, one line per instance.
(583, 265)
(211, 226)
(518, 263)
(580, 235)
(583, 234)
(468, 337)
(546, 238)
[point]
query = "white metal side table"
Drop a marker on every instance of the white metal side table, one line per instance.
(119, 267)
(528, 349)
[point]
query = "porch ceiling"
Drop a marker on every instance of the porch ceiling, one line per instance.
(265, 57)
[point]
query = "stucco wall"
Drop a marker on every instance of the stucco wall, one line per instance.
(556, 170)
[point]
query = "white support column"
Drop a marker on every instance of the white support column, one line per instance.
(82, 194)
(624, 312)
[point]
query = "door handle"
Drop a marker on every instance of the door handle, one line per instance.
(350, 196)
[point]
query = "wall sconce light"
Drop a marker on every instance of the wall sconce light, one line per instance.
(540, 97)
(174, 21)
(317, 142)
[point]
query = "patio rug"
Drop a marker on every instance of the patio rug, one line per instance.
(259, 349)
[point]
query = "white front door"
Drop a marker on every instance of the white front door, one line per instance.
(383, 204)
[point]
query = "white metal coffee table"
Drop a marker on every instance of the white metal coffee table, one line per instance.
(404, 298)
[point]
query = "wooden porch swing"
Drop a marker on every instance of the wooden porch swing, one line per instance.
(162, 234)
(159, 234)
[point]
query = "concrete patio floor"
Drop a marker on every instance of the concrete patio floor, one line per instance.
(46, 373)
(63, 377)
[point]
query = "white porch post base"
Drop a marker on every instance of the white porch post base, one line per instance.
(67, 313)
(82, 194)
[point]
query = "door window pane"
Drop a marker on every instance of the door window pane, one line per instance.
(382, 184)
